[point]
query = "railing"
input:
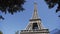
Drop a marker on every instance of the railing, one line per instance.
(42, 30)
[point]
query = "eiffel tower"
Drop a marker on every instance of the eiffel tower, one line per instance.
(35, 24)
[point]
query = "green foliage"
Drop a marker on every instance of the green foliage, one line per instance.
(52, 3)
(1, 32)
(11, 6)
(1, 17)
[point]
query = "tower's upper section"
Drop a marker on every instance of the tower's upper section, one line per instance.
(35, 14)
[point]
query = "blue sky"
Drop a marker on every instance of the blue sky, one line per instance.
(19, 20)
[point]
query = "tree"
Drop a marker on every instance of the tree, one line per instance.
(1, 32)
(52, 3)
(11, 6)
(1, 17)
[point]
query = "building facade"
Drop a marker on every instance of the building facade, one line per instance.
(35, 24)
